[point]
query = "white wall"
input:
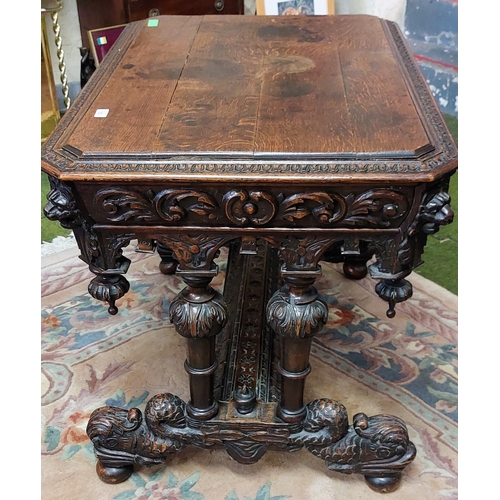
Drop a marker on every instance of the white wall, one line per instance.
(393, 10)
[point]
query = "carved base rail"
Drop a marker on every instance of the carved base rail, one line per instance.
(247, 385)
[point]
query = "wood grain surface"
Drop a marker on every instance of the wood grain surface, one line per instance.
(249, 86)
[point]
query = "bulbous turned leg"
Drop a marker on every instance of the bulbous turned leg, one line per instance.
(169, 263)
(296, 314)
(199, 313)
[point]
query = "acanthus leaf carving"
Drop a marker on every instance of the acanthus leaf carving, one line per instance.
(193, 252)
(195, 320)
(301, 253)
(294, 320)
(375, 208)
(328, 209)
(122, 205)
(167, 204)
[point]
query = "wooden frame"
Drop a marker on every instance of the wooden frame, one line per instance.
(110, 34)
(291, 7)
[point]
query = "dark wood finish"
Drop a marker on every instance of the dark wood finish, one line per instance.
(96, 14)
(291, 140)
(141, 9)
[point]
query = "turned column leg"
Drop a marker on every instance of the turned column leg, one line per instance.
(293, 368)
(199, 313)
(296, 314)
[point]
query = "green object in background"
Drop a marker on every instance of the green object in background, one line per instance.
(440, 254)
(441, 251)
(50, 229)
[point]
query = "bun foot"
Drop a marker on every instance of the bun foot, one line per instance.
(385, 484)
(169, 263)
(113, 475)
(168, 267)
(355, 271)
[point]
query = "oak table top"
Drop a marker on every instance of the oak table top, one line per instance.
(302, 98)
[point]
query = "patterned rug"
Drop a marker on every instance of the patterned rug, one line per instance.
(406, 366)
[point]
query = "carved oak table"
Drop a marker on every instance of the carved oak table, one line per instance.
(289, 140)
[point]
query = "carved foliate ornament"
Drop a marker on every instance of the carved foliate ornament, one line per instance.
(198, 319)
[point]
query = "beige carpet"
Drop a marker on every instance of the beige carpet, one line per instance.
(406, 367)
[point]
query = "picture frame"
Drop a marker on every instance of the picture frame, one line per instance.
(295, 7)
(102, 39)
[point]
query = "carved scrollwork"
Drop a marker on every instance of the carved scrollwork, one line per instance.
(325, 208)
(375, 208)
(167, 204)
(193, 252)
(249, 208)
(122, 205)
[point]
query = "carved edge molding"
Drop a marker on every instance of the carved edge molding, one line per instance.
(446, 150)
(66, 164)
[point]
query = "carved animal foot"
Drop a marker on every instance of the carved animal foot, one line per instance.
(124, 437)
(377, 447)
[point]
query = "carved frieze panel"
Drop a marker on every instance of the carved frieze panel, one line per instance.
(349, 207)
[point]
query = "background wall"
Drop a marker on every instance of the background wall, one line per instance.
(430, 27)
(393, 10)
